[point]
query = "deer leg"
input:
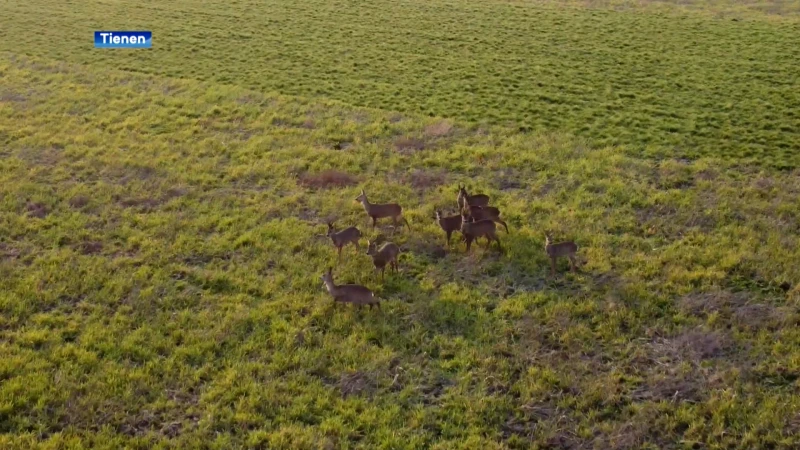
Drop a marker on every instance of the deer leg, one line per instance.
(499, 245)
(449, 233)
(469, 242)
(374, 219)
(504, 224)
(340, 252)
(572, 263)
(355, 244)
(552, 266)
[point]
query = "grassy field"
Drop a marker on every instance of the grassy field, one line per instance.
(666, 84)
(159, 283)
(161, 215)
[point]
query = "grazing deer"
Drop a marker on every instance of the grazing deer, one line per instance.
(349, 293)
(379, 211)
(472, 230)
(449, 224)
(465, 199)
(554, 251)
(386, 254)
(486, 213)
(344, 237)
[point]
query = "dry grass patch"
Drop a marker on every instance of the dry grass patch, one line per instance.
(694, 345)
(79, 201)
(89, 247)
(439, 129)
(327, 179)
(143, 203)
(356, 383)
(11, 97)
(38, 210)
(409, 144)
(421, 179)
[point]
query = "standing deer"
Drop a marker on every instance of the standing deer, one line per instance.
(448, 224)
(344, 237)
(554, 251)
(475, 229)
(486, 213)
(349, 293)
(386, 254)
(465, 199)
(379, 211)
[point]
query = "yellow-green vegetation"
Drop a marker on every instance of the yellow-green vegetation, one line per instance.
(162, 221)
(161, 261)
(666, 84)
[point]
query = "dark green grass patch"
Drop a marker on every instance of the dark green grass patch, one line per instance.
(662, 84)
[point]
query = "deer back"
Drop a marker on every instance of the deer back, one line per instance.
(561, 249)
(450, 223)
(383, 210)
(354, 293)
(478, 228)
(389, 251)
(484, 212)
(477, 200)
(351, 234)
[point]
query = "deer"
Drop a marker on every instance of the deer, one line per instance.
(386, 254)
(486, 213)
(554, 251)
(379, 211)
(344, 237)
(449, 224)
(473, 229)
(465, 199)
(349, 293)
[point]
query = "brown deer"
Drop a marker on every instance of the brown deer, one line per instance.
(472, 230)
(486, 213)
(465, 199)
(449, 224)
(386, 254)
(344, 237)
(554, 251)
(349, 293)
(379, 211)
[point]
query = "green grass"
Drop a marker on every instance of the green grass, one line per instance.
(159, 280)
(661, 84)
(731, 9)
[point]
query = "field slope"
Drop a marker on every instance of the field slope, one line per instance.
(162, 212)
(159, 280)
(661, 84)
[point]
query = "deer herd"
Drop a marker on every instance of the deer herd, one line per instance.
(476, 219)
